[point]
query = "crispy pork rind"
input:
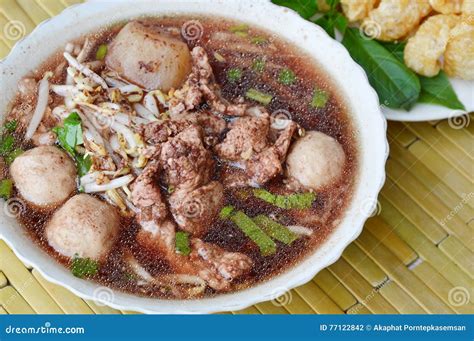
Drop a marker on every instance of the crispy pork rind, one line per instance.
(458, 57)
(356, 10)
(468, 11)
(447, 6)
(424, 49)
(394, 19)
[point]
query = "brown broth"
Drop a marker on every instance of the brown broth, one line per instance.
(333, 120)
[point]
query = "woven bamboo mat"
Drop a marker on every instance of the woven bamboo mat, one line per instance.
(414, 256)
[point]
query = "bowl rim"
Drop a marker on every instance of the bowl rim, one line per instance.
(55, 272)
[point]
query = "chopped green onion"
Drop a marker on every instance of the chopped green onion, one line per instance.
(226, 211)
(259, 40)
(258, 96)
(286, 77)
(6, 145)
(291, 201)
(266, 245)
(6, 187)
(275, 230)
(84, 267)
(13, 155)
(258, 65)
(182, 243)
(170, 189)
(320, 98)
(234, 75)
(239, 29)
(101, 52)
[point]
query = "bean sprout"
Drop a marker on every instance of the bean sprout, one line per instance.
(42, 103)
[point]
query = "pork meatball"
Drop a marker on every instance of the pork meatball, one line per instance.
(45, 176)
(316, 160)
(83, 226)
(149, 58)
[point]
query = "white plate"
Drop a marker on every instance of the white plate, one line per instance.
(429, 112)
(349, 78)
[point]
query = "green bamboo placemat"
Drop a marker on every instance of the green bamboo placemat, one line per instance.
(414, 256)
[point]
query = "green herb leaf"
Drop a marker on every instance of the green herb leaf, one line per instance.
(320, 98)
(84, 164)
(234, 75)
(287, 77)
(305, 8)
(397, 49)
(438, 90)
(101, 52)
(258, 65)
(84, 267)
(6, 145)
(291, 201)
(13, 155)
(70, 134)
(6, 188)
(258, 96)
(69, 137)
(182, 243)
(396, 85)
(10, 126)
(275, 230)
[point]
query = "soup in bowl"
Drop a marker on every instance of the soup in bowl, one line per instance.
(192, 157)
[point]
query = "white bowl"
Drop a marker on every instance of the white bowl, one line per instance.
(348, 77)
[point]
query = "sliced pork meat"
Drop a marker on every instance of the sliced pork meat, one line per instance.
(148, 57)
(230, 265)
(247, 136)
(147, 196)
(186, 163)
(201, 87)
(194, 210)
(264, 166)
(159, 132)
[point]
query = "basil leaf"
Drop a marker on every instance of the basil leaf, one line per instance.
(331, 21)
(396, 85)
(70, 134)
(305, 8)
(396, 49)
(84, 163)
(438, 90)
(326, 24)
